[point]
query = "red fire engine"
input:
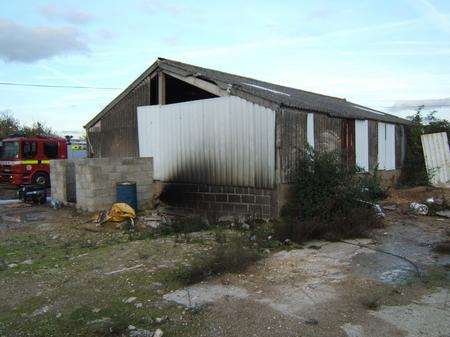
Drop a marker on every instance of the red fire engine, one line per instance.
(25, 160)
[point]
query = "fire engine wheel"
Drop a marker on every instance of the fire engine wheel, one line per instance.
(41, 179)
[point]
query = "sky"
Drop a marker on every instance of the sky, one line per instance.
(389, 55)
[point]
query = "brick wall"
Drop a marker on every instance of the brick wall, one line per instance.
(91, 182)
(220, 200)
(62, 177)
(96, 180)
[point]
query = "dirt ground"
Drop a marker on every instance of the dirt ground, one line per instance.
(7, 192)
(61, 276)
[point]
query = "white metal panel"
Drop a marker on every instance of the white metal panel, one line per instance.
(362, 143)
(381, 146)
(220, 141)
(310, 129)
(437, 157)
(390, 147)
(386, 146)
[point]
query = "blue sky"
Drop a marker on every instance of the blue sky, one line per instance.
(376, 53)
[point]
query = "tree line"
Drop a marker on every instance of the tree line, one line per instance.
(10, 125)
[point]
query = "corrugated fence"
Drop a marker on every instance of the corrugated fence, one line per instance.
(437, 157)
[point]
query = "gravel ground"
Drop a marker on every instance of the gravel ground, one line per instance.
(60, 276)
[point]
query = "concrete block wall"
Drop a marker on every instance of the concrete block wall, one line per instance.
(221, 200)
(62, 178)
(96, 180)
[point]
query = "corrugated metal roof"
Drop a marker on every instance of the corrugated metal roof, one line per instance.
(281, 95)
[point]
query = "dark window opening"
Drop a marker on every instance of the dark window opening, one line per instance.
(29, 150)
(178, 91)
(51, 150)
(154, 88)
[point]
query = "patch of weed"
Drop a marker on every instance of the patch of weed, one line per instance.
(233, 255)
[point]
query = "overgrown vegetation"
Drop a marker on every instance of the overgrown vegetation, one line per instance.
(414, 172)
(330, 200)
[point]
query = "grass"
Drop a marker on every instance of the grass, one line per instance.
(74, 286)
(112, 319)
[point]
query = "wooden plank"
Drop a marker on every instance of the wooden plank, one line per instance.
(373, 145)
(161, 88)
(197, 82)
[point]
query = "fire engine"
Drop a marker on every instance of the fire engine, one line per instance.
(25, 160)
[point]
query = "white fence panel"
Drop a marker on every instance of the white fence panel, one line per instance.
(437, 157)
(219, 141)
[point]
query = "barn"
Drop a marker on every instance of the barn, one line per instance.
(228, 144)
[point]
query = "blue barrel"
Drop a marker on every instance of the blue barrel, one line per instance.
(126, 192)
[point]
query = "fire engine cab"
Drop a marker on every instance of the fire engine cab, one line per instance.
(25, 160)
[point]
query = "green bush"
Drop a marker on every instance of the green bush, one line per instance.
(330, 200)
(414, 172)
(372, 187)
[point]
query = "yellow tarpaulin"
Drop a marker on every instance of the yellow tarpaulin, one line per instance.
(119, 212)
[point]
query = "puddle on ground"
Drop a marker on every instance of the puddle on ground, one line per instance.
(409, 241)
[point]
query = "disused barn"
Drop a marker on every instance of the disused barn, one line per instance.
(228, 144)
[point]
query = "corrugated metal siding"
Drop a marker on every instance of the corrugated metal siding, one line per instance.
(386, 146)
(293, 141)
(310, 129)
(437, 157)
(327, 133)
(373, 144)
(362, 143)
(117, 136)
(390, 146)
(218, 141)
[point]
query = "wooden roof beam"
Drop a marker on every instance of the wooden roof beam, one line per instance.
(202, 84)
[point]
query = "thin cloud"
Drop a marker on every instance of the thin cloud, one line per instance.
(433, 14)
(171, 40)
(293, 41)
(154, 7)
(430, 52)
(106, 34)
(438, 103)
(19, 43)
(70, 15)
